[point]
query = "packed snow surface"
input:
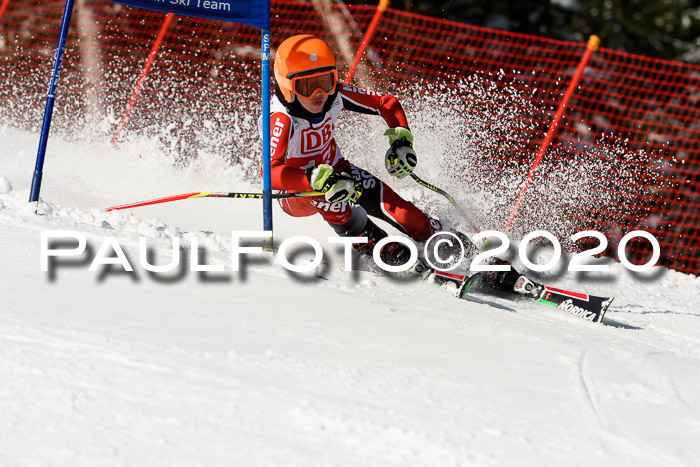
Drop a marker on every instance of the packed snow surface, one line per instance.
(268, 367)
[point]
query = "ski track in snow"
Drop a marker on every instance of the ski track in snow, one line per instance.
(586, 383)
(269, 368)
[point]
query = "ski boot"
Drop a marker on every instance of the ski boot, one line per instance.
(393, 253)
(524, 286)
(450, 255)
(507, 282)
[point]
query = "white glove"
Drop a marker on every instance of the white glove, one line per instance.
(337, 187)
(400, 159)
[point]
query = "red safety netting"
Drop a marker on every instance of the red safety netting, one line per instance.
(626, 156)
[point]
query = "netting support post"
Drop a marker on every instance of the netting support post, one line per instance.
(144, 73)
(51, 97)
(381, 8)
(3, 7)
(592, 46)
(267, 177)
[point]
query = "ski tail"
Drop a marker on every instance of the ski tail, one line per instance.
(463, 282)
(450, 276)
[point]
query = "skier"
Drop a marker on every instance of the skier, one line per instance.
(305, 157)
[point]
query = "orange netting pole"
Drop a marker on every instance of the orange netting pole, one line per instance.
(593, 43)
(139, 84)
(3, 7)
(381, 8)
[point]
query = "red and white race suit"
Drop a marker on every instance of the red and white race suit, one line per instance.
(296, 144)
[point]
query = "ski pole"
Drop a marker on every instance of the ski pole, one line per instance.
(208, 194)
(449, 198)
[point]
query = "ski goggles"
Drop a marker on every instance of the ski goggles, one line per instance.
(306, 85)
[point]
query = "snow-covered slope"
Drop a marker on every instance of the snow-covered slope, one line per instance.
(274, 368)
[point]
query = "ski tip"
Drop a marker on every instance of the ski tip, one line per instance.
(604, 307)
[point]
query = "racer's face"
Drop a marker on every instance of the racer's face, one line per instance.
(315, 103)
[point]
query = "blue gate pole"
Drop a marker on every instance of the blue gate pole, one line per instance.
(48, 112)
(267, 178)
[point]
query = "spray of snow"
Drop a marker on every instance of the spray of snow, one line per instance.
(475, 138)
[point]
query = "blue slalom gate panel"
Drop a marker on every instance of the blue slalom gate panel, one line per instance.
(254, 13)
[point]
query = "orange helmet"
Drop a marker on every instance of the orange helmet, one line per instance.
(305, 64)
